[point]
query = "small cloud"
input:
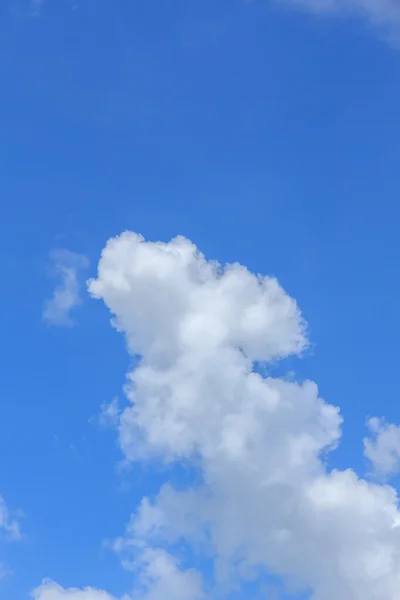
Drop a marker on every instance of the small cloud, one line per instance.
(10, 531)
(382, 448)
(110, 414)
(66, 296)
(8, 524)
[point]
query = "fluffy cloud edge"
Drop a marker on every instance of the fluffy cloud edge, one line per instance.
(49, 590)
(382, 448)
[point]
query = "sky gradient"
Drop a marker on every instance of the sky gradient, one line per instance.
(182, 451)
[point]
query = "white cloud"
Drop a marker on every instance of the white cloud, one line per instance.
(109, 414)
(160, 575)
(381, 13)
(52, 591)
(382, 448)
(268, 503)
(162, 578)
(8, 523)
(10, 530)
(66, 296)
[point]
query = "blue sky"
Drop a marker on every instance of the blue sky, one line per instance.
(268, 135)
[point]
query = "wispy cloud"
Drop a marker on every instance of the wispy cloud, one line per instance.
(8, 524)
(384, 14)
(109, 414)
(10, 530)
(65, 269)
(3, 571)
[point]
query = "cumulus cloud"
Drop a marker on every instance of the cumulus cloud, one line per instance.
(382, 448)
(267, 501)
(160, 578)
(66, 266)
(382, 13)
